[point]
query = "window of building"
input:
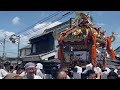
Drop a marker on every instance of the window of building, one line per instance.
(34, 48)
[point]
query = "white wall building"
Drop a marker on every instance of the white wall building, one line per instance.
(25, 51)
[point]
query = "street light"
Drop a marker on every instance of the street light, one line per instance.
(14, 38)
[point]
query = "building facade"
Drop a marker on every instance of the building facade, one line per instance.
(25, 51)
(44, 46)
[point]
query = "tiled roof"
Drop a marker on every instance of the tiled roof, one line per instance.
(28, 46)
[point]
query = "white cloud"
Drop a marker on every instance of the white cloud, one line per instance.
(39, 28)
(16, 20)
(3, 33)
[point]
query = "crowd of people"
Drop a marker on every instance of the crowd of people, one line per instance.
(36, 71)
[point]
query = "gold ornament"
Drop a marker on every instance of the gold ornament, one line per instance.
(76, 32)
(96, 33)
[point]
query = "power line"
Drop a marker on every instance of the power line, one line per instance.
(41, 21)
(64, 15)
(61, 17)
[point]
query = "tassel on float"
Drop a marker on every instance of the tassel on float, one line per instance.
(59, 54)
(93, 54)
(109, 49)
(112, 54)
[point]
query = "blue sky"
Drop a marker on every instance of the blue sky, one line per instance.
(15, 21)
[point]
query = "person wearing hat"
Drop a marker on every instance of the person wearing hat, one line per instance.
(39, 67)
(30, 71)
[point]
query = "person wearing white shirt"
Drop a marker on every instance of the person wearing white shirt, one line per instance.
(88, 67)
(77, 74)
(7, 66)
(66, 70)
(105, 73)
(91, 74)
(3, 73)
(30, 71)
(108, 69)
(38, 70)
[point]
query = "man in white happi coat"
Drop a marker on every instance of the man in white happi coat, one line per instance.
(30, 71)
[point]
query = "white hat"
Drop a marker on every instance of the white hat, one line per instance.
(39, 66)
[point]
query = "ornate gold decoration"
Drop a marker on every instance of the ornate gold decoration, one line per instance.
(76, 32)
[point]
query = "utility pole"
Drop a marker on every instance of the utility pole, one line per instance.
(4, 42)
(13, 38)
(18, 37)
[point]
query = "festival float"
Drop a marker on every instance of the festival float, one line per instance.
(82, 40)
